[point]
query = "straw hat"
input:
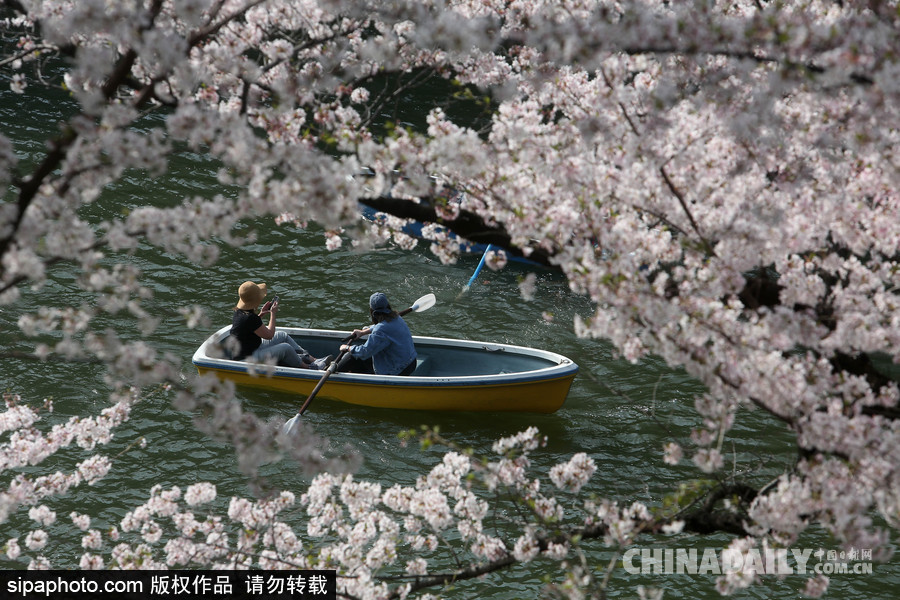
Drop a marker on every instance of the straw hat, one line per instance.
(251, 295)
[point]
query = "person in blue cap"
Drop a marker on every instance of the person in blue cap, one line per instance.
(389, 349)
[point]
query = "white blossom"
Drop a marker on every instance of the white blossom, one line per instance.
(723, 195)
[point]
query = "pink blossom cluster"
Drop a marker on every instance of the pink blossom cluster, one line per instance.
(353, 526)
(725, 194)
(27, 446)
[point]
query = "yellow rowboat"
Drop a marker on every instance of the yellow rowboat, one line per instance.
(456, 375)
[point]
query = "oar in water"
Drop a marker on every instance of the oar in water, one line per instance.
(475, 274)
(423, 303)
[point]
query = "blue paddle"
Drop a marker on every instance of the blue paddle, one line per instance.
(422, 304)
(477, 271)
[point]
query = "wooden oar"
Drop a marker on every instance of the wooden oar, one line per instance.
(331, 369)
(423, 303)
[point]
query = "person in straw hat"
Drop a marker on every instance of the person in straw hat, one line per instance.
(262, 342)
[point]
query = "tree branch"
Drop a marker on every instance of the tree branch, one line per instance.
(28, 187)
(681, 200)
(467, 225)
(15, 5)
(704, 520)
(707, 519)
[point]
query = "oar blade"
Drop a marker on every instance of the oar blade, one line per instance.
(291, 424)
(424, 303)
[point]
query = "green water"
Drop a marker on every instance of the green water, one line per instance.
(624, 431)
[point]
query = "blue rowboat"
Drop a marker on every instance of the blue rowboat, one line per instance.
(415, 229)
(450, 375)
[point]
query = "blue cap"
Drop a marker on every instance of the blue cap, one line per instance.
(378, 303)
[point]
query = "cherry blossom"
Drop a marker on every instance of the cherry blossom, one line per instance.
(724, 194)
(574, 474)
(200, 493)
(12, 549)
(36, 540)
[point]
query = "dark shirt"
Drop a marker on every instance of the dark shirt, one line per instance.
(243, 327)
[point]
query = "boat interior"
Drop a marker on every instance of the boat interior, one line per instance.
(438, 360)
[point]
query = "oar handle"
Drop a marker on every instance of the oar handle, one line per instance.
(331, 369)
(479, 267)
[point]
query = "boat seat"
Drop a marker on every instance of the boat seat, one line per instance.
(423, 366)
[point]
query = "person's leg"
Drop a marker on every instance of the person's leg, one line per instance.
(283, 338)
(409, 368)
(355, 365)
(283, 352)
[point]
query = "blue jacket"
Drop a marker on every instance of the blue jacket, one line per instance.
(390, 345)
